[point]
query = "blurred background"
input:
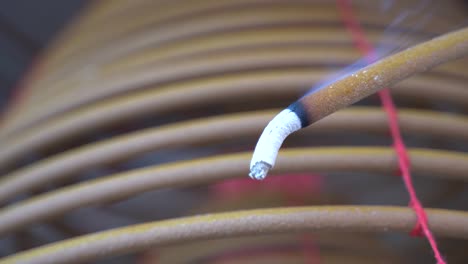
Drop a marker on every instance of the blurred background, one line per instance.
(25, 29)
(172, 96)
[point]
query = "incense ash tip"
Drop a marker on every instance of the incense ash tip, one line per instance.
(259, 170)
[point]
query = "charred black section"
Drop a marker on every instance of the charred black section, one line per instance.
(301, 112)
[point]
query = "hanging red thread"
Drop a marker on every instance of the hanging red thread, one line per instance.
(365, 47)
(294, 187)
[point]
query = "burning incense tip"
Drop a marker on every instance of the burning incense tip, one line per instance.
(260, 170)
(264, 156)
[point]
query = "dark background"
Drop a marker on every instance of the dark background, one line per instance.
(26, 26)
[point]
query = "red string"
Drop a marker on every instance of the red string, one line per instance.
(294, 187)
(365, 47)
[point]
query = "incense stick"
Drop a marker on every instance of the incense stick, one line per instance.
(350, 89)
